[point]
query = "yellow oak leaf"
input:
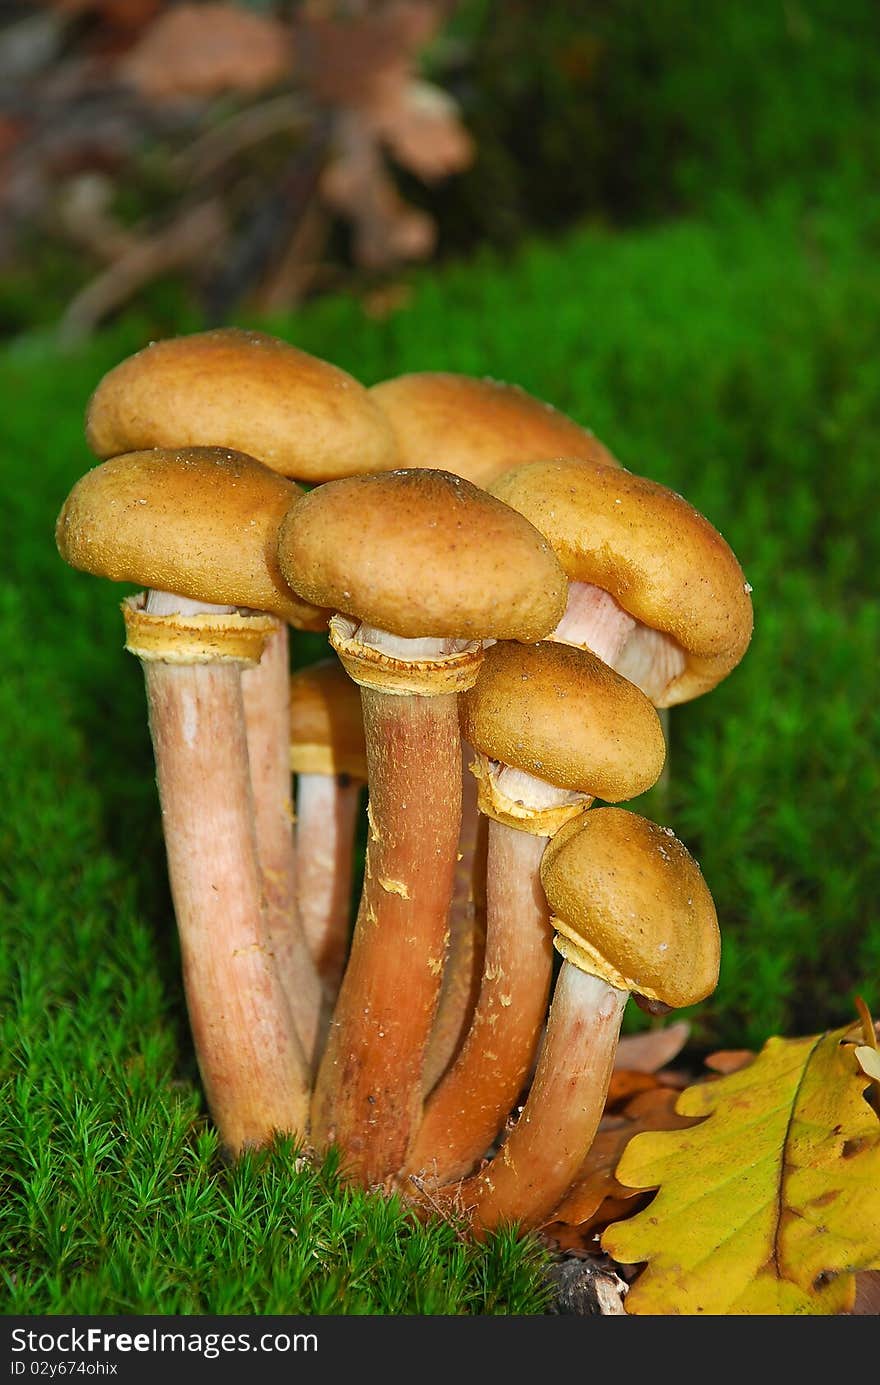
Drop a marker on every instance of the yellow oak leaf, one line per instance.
(771, 1204)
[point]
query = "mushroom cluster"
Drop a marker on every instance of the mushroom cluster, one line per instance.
(507, 609)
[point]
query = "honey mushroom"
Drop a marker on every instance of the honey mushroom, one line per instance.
(477, 428)
(633, 915)
(553, 728)
(247, 391)
(421, 568)
(655, 591)
(307, 420)
(328, 759)
(197, 527)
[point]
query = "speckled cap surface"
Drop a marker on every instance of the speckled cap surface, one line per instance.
(422, 554)
(476, 427)
(564, 716)
(326, 722)
(630, 903)
(200, 522)
(658, 557)
(246, 391)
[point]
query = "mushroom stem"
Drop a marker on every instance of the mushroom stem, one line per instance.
(474, 1098)
(253, 1068)
(467, 935)
(266, 698)
(543, 1153)
(326, 824)
(368, 1093)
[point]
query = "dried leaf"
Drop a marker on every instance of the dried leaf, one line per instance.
(653, 1049)
(421, 126)
(202, 50)
(869, 1061)
(596, 1182)
(772, 1204)
(625, 1084)
(386, 230)
(596, 1196)
(363, 60)
(867, 1293)
(728, 1060)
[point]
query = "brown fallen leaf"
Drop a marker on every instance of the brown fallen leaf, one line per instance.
(729, 1059)
(386, 230)
(596, 1197)
(202, 50)
(867, 1293)
(364, 68)
(424, 133)
(625, 1084)
(652, 1049)
(362, 61)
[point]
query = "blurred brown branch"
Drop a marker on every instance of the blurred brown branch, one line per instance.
(219, 141)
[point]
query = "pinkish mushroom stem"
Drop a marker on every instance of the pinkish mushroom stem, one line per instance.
(252, 1064)
(473, 1099)
(595, 620)
(467, 935)
(541, 1156)
(368, 1094)
(327, 808)
(265, 692)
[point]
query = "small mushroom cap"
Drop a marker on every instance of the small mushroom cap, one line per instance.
(422, 554)
(246, 391)
(564, 716)
(200, 522)
(326, 722)
(478, 428)
(630, 904)
(658, 557)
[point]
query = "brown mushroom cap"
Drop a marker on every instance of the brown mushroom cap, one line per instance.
(200, 522)
(422, 554)
(326, 722)
(246, 391)
(478, 428)
(630, 904)
(658, 557)
(564, 716)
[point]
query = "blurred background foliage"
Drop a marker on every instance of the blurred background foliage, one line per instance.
(250, 154)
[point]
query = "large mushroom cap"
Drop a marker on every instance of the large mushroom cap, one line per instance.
(246, 391)
(200, 522)
(564, 716)
(660, 559)
(630, 904)
(422, 554)
(478, 428)
(326, 722)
